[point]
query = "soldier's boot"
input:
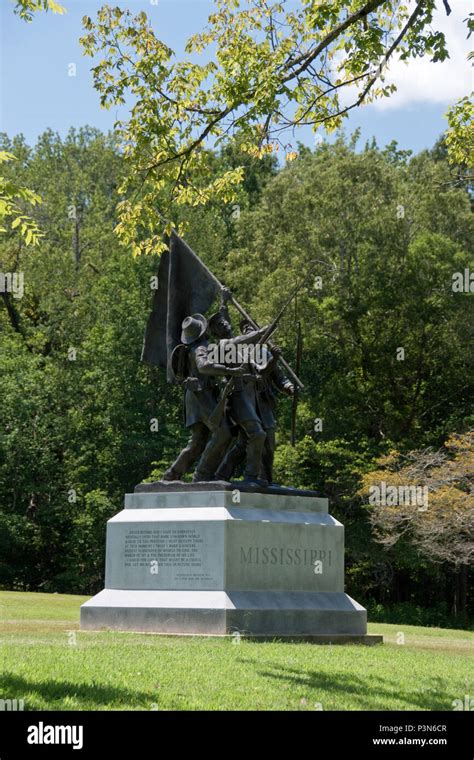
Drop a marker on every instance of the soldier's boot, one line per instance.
(171, 474)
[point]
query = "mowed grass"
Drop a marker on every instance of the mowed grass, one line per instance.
(49, 663)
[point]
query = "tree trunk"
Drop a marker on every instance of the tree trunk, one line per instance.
(457, 591)
(463, 589)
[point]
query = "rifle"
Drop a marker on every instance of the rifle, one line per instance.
(216, 416)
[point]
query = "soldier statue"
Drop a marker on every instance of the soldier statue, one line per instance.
(269, 377)
(242, 403)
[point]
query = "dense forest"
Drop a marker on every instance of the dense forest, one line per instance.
(387, 354)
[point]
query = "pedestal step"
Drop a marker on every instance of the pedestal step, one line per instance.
(249, 613)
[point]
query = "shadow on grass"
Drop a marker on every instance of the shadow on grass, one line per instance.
(357, 692)
(86, 696)
(367, 693)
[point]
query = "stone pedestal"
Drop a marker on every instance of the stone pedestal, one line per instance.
(226, 562)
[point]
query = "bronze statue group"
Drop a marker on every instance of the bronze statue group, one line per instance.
(230, 407)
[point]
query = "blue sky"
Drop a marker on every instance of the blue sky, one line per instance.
(36, 91)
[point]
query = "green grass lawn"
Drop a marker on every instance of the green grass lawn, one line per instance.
(50, 664)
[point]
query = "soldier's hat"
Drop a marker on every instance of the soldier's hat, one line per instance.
(193, 328)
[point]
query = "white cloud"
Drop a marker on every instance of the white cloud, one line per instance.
(419, 81)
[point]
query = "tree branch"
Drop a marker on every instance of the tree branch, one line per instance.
(309, 57)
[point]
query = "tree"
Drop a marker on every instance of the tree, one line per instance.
(274, 69)
(76, 404)
(26, 8)
(442, 526)
(11, 196)
(460, 135)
